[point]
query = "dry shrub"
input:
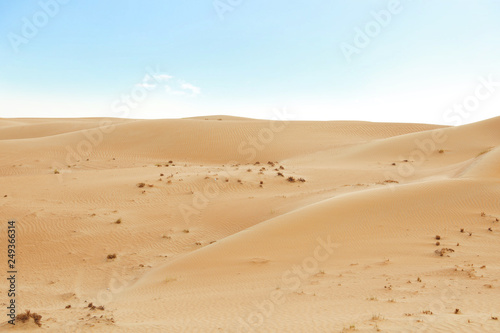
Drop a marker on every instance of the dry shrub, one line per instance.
(23, 317)
(112, 256)
(444, 251)
(141, 184)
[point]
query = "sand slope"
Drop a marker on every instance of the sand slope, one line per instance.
(203, 246)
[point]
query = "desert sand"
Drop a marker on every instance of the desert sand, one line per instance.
(382, 227)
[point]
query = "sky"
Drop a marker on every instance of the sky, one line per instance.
(386, 61)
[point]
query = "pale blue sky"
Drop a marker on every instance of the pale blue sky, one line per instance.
(257, 55)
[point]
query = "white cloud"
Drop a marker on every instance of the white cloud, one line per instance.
(174, 92)
(146, 85)
(162, 77)
(194, 89)
(186, 89)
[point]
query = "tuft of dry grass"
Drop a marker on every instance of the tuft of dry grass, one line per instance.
(291, 179)
(56, 172)
(444, 251)
(186, 231)
(140, 184)
(24, 317)
(438, 237)
(111, 256)
(118, 221)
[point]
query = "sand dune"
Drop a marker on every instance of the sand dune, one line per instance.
(395, 227)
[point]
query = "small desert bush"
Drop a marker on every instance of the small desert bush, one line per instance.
(23, 317)
(291, 179)
(444, 251)
(141, 184)
(111, 256)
